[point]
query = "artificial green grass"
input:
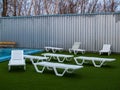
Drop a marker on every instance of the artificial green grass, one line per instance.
(88, 78)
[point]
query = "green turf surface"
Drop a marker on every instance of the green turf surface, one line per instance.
(88, 78)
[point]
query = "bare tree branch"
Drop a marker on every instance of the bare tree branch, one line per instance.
(4, 13)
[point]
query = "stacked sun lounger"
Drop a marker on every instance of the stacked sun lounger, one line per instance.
(53, 49)
(59, 57)
(43, 61)
(93, 59)
(55, 66)
(36, 58)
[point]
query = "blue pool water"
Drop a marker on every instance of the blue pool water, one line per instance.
(5, 53)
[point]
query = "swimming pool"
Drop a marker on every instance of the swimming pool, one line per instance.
(5, 53)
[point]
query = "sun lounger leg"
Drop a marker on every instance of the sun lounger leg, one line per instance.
(32, 61)
(109, 53)
(60, 50)
(75, 52)
(49, 68)
(48, 58)
(68, 59)
(59, 60)
(59, 74)
(70, 51)
(78, 63)
(39, 71)
(83, 52)
(46, 49)
(70, 71)
(53, 50)
(24, 67)
(9, 67)
(97, 65)
(54, 57)
(38, 60)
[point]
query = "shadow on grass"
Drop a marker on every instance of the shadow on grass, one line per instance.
(17, 69)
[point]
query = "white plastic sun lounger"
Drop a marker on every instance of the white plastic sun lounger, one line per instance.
(53, 49)
(59, 57)
(54, 66)
(38, 58)
(75, 48)
(106, 49)
(17, 59)
(94, 60)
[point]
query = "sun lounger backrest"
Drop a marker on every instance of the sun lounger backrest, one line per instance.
(76, 45)
(106, 47)
(17, 55)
